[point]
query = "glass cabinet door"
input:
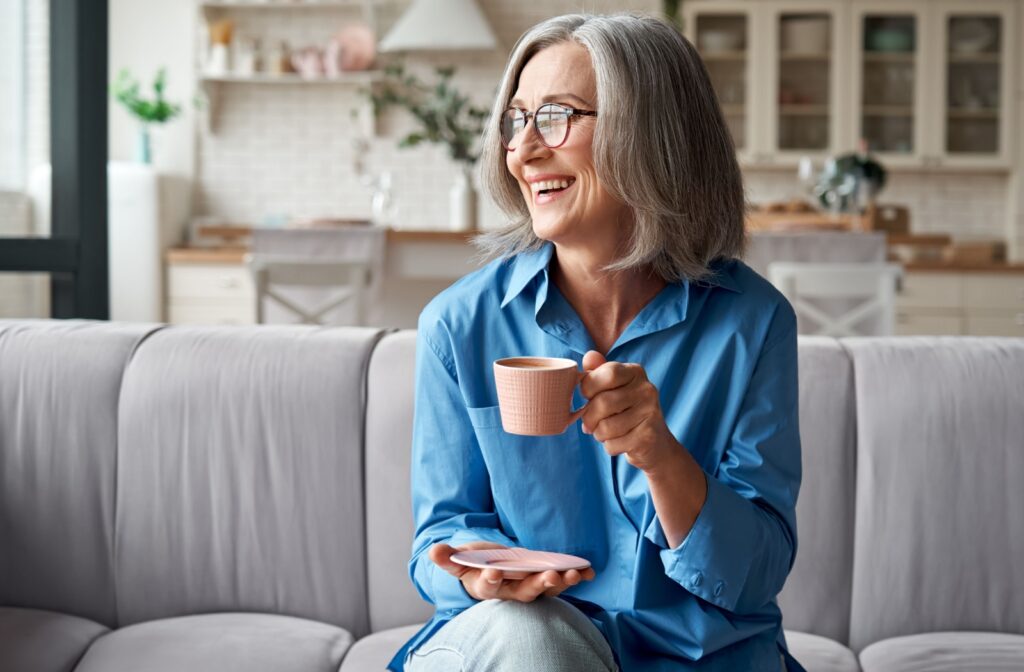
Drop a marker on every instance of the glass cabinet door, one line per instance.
(722, 38)
(974, 81)
(805, 80)
(890, 69)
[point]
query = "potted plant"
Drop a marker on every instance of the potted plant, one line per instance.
(445, 117)
(125, 90)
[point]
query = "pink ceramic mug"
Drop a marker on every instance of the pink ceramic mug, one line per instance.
(535, 394)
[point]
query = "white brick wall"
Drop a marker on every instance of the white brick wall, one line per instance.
(286, 150)
(964, 205)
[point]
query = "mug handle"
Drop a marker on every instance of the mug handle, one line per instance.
(578, 413)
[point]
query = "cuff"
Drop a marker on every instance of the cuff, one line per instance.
(708, 562)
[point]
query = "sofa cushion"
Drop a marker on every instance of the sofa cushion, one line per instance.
(389, 527)
(940, 463)
(820, 654)
(946, 652)
(240, 474)
(59, 388)
(43, 641)
(816, 597)
(373, 653)
(220, 643)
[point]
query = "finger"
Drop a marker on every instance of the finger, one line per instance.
(533, 586)
(609, 376)
(571, 577)
(486, 586)
(604, 404)
(588, 574)
(592, 360)
(618, 426)
(440, 555)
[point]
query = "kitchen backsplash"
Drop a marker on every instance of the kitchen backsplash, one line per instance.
(965, 205)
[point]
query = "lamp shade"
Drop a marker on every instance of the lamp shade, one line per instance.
(440, 25)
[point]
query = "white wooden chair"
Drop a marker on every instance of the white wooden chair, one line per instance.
(865, 293)
(348, 279)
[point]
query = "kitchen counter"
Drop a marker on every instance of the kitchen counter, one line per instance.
(236, 255)
(994, 267)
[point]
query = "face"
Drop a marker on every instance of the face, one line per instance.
(583, 211)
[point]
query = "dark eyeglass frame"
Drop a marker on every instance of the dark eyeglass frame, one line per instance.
(569, 113)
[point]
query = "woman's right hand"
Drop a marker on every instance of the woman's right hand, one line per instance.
(489, 584)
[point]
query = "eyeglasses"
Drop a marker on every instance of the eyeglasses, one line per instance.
(551, 120)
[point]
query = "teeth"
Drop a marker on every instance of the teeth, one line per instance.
(549, 184)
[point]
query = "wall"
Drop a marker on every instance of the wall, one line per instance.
(287, 151)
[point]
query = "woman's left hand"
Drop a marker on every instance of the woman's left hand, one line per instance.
(624, 412)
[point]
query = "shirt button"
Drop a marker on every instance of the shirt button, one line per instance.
(719, 587)
(696, 579)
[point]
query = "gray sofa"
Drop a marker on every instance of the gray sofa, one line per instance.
(219, 499)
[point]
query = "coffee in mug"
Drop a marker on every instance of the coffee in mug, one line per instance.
(535, 394)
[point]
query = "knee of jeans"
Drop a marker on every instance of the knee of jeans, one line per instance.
(546, 621)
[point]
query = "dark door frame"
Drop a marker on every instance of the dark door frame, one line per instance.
(76, 253)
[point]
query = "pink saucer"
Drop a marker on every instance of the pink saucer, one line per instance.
(519, 562)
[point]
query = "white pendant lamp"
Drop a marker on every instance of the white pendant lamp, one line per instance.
(440, 25)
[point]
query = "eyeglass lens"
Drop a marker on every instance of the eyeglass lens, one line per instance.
(552, 123)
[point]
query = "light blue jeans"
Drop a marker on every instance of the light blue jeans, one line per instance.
(547, 635)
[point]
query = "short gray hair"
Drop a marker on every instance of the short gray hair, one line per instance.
(661, 146)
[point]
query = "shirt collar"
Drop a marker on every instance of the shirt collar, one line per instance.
(526, 266)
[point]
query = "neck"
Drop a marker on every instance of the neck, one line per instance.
(606, 301)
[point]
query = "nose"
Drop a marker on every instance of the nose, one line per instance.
(530, 143)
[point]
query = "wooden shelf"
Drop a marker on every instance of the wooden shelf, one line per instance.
(805, 58)
(803, 110)
(888, 111)
(969, 113)
(889, 56)
(975, 59)
(293, 4)
(716, 56)
(351, 78)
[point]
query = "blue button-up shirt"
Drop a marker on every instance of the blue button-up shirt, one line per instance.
(723, 356)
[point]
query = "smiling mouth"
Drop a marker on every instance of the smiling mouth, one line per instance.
(551, 186)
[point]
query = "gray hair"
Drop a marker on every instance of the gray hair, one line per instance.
(661, 146)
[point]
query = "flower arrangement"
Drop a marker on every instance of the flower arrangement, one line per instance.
(445, 115)
(126, 91)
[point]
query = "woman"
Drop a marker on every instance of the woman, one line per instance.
(679, 484)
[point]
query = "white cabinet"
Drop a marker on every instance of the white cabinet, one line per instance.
(215, 293)
(928, 83)
(973, 83)
(969, 304)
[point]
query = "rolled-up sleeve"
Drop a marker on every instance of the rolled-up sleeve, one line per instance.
(451, 494)
(743, 543)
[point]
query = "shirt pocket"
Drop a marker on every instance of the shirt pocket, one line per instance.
(543, 486)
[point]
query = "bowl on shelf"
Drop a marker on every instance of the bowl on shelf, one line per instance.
(805, 35)
(971, 36)
(890, 40)
(719, 40)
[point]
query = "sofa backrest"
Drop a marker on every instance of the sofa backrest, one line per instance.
(940, 544)
(239, 483)
(59, 388)
(817, 596)
(389, 527)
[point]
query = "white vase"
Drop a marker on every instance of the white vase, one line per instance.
(462, 200)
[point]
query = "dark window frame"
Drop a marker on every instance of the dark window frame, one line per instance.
(76, 253)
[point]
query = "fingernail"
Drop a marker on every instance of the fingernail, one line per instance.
(549, 584)
(493, 581)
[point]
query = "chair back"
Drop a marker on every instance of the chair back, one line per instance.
(349, 281)
(864, 293)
